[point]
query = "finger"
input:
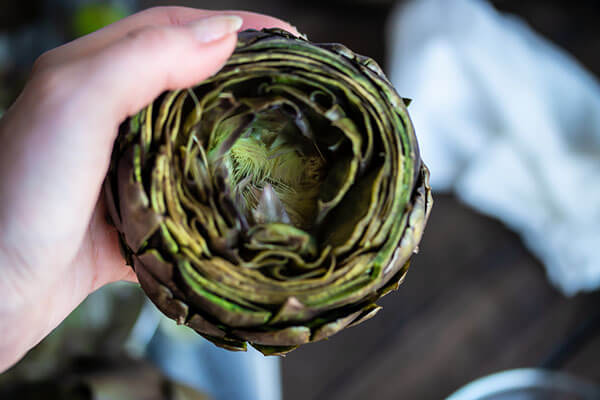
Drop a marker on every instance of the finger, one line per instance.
(158, 16)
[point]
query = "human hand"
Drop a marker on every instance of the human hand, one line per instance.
(55, 147)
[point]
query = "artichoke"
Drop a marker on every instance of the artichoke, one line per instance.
(274, 202)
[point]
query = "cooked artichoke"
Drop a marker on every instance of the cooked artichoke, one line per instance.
(274, 202)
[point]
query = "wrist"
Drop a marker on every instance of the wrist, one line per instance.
(13, 289)
(24, 311)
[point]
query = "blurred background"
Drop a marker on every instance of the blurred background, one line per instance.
(477, 299)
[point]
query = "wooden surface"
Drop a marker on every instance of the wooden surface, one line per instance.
(475, 301)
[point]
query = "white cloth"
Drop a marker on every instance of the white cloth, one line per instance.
(510, 123)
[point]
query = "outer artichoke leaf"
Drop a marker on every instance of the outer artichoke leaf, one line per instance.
(154, 262)
(203, 326)
(331, 328)
(413, 229)
(227, 312)
(395, 282)
(241, 286)
(292, 311)
(226, 343)
(225, 280)
(142, 221)
(390, 234)
(367, 313)
(111, 205)
(290, 336)
(340, 295)
(273, 350)
(161, 296)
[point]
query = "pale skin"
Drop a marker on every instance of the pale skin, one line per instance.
(55, 144)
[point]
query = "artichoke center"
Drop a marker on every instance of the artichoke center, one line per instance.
(276, 171)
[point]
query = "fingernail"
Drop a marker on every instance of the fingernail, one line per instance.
(214, 28)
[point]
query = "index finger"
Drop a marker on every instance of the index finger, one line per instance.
(157, 16)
